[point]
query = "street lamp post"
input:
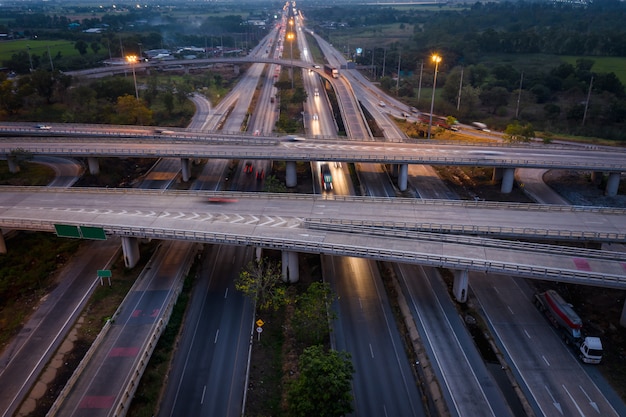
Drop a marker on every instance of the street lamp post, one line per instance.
(132, 59)
(436, 59)
(290, 37)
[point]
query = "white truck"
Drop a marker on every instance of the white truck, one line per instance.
(568, 323)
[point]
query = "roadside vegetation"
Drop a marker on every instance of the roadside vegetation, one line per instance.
(488, 56)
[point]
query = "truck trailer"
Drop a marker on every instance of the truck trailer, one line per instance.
(568, 323)
(330, 70)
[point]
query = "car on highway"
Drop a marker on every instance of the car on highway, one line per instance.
(381, 103)
(43, 127)
(220, 200)
(315, 116)
(248, 168)
(295, 138)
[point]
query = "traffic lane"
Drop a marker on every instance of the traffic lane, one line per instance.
(25, 356)
(467, 385)
(552, 375)
(98, 388)
(211, 378)
(383, 381)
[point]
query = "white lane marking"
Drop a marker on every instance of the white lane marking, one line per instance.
(226, 293)
(527, 335)
(371, 351)
(592, 403)
(217, 333)
(580, 412)
(545, 360)
(554, 402)
(203, 392)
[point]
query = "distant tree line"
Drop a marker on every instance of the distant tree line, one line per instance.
(553, 95)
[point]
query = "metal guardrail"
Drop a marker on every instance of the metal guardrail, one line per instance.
(442, 261)
(274, 152)
(352, 227)
(527, 207)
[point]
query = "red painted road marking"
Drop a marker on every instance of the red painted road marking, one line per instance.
(136, 313)
(582, 264)
(124, 351)
(97, 402)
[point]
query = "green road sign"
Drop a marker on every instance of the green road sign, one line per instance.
(96, 233)
(65, 230)
(85, 232)
(104, 273)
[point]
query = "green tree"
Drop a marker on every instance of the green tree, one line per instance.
(323, 386)
(10, 100)
(516, 133)
(81, 47)
(494, 98)
(95, 47)
(311, 316)
(261, 281)
(131, 111)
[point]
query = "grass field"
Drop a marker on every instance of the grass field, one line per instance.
(604, 64)
(37, 47)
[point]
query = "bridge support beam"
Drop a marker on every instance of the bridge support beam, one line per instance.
(3, 245)
(508, 177)
(291, 176)
(94, 165)
(612, 184)
(596, 177)
(290, 266)
(496, 177)
(130, 249)
(185, 167)
(459, 288)
(403, 174)
(258, 252)
(622, 319)
(14, 167)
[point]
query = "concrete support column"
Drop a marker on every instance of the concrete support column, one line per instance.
(94, 165)
(130, 249)
(290, 266)
(258, 252)
(496, 177)
(612, 184)
(291, 176)
(596, 177)
(395, 170)
(459, 288)
(508, 178)
(3, 245)
(185, 167)
(14, 167)
(403, 174)
(622, 319)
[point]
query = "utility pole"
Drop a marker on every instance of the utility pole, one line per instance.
(398, 79)
(419, 88)
(519, 95)
(588, 98)
(458, 97)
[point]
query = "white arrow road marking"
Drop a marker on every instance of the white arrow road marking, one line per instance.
(195, 215)
(574, 401)
(180, 215)
(164, 214)
(269, 220)
(554, 402)
(253, 219)
(282, 221)
(592, 403)
(237, 219)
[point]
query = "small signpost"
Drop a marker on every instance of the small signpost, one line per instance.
(104, 273)
(259, 328)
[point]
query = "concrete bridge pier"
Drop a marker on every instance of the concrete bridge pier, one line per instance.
(130, 249)
(459, 288)
(596, 177)
(291, 176)
(290, 266)
(185, 167)
(3, 245)
(14, 167)
(612, 184)
(508, 177)
(496, 177)
(403, 174)
(94, 165)
(258, 252)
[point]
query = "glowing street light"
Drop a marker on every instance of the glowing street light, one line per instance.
(436, 59)
(290, 38)
(132, 60)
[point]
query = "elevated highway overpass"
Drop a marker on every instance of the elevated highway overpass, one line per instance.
(349, 226)
(78, 141)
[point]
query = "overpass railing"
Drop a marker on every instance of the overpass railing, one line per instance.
(391, 255)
